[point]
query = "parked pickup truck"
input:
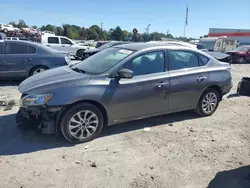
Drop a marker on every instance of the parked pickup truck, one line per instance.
(61, 43)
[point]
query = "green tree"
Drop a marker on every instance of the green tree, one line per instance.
(145, 37)
(124, 34)
(59, 31)
(13, 23)
(48, 27)
(34, 27)
(117, 34)
(22, 24)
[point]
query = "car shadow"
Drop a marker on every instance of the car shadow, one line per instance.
(149, 122)
(14, 141)
(233, 95)
(236, 178)
(10, 83)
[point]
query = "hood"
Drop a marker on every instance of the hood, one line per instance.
(94, 50)
(52, 79)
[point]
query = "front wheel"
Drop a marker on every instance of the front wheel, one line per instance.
(81, 123)
(208, 102)
(37, 70)
(80, 55)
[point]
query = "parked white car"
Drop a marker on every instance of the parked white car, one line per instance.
(61, 43)
(8, 28)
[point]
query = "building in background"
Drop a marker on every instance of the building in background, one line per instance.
(241, 35)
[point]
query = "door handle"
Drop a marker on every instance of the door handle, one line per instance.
(161, 84)
(201, 78)
(28, 59)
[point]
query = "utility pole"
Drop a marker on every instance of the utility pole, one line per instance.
(148, 28)
(101, 25)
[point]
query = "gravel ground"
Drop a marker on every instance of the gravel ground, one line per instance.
(180, 150)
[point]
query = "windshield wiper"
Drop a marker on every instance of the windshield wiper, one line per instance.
(79, 70)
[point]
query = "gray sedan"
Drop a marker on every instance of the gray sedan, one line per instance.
(120, 84)
(21, 59)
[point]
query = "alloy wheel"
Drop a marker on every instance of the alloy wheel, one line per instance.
(209, 102)
(39, 70)
(83, 124)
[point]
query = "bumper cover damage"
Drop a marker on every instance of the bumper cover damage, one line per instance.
(44, 119)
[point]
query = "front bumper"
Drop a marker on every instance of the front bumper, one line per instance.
(43, 118)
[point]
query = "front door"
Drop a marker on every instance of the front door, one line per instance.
(67, 46)
(248, 55)
(188, 78)
(146, 93)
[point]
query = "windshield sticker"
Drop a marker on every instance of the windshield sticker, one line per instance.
(127, 52)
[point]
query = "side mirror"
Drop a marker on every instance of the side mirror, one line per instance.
(125, 73)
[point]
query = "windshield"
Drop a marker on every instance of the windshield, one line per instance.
(103, 61)
(107, 45)
(241, 48)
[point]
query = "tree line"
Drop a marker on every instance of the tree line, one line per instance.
(97, 33)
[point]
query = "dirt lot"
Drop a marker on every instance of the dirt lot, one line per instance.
(180, 150)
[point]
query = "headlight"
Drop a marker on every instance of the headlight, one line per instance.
(35, 100)
(67, 59)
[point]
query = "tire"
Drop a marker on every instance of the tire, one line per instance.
(200, 109)
(241, 60)
(38, 69)
(5, 30)
(80, 55)
(80, 127)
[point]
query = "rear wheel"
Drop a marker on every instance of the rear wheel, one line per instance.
(208, 102)
(81, 123)
(37, 70)
(241, 60)
(5, 30)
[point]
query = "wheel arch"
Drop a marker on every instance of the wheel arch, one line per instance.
(217, 88)
(95, 103)
(37, 66)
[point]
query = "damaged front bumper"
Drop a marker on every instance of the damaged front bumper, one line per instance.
(44, 118)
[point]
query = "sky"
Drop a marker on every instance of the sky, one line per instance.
(163, 15)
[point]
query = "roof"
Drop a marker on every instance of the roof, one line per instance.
(34, 44)
(141, 45)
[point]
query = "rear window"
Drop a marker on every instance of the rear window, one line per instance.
(53, 40)
(14, 48)
(204, 60)
(31, 50)
(200, 46)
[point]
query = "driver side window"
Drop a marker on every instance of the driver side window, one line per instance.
(65, 41)
(149, 63)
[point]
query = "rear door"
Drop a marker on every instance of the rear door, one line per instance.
(188, 78)
(54, 43)
(15, 60)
